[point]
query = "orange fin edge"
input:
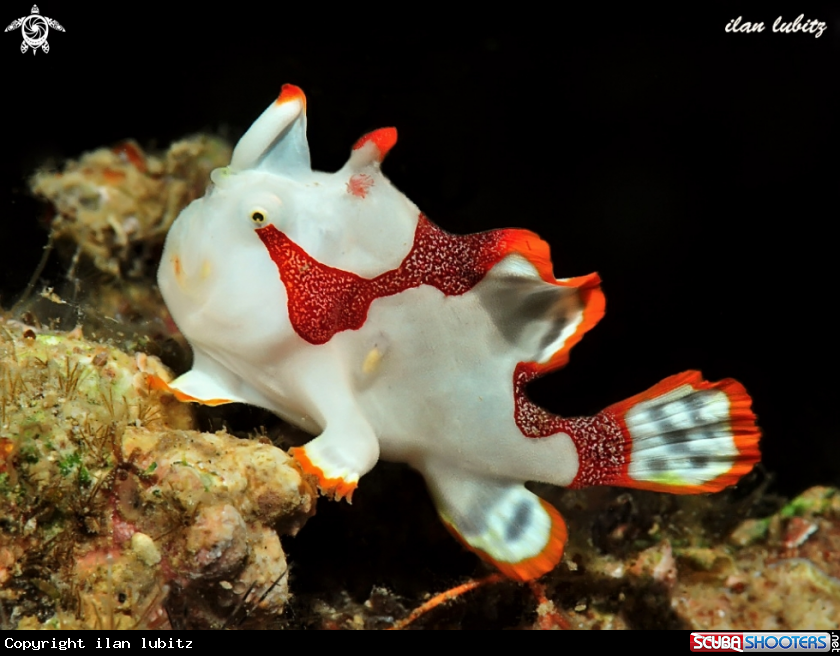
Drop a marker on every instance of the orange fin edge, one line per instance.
(538, 253)
(594, 306)
(335, 488)
(157, 384)
(534, 567)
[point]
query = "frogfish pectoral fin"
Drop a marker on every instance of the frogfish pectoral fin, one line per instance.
(207, 383)
(500, 520)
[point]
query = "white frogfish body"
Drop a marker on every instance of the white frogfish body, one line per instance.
(332, 301)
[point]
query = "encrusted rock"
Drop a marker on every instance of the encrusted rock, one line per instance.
(114, 199)
(113, 514)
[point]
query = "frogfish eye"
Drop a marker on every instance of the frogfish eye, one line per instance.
(259, 215)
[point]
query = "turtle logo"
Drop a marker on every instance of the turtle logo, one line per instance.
(35, 29)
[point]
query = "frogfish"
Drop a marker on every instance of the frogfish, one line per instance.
(332, 301)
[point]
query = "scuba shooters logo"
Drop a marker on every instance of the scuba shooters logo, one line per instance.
(717, 642)
(765, 641)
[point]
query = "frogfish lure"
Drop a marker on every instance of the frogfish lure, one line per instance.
(332, 301)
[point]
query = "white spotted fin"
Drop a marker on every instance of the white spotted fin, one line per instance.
(498, 519)
(684, 435)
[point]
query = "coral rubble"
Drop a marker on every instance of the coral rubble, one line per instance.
(114, 201)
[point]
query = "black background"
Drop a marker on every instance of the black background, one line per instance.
(695, 170)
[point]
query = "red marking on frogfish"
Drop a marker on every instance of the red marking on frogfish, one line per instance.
(384, 138)
(323, 300)
(359, 184)
(291, 92)
(601, 441)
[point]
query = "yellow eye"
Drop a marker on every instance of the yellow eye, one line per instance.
(259, 215)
